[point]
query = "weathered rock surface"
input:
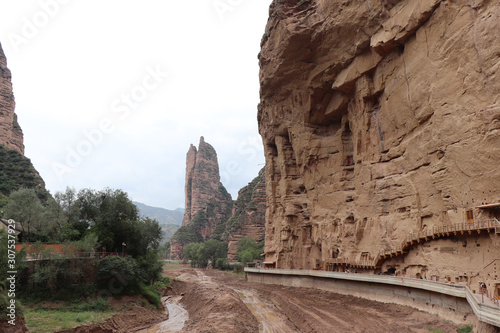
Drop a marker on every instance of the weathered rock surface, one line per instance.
(11, 134)
(380, 118)
(249, 215)
(208, 204)
(16, 170)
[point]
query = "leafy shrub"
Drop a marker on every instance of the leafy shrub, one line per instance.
(151, 293)
(164, 282)
(126, 275)
(222, 264)
(117, 273)
(150, 267)
(59, 279)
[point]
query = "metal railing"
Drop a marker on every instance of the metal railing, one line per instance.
(419, 237)
(70, 255)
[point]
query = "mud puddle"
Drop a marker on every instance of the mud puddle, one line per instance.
(177, 317)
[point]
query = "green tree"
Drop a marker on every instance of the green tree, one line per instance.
(213, 249)
(119, 273)
(165, 250)
(4, 200)
(55, 221)
(192, 252)
(246, 256)
(249, 250)
(25, 207)
(201, 254)
(147, 237)
(111, 215)
(150, 267)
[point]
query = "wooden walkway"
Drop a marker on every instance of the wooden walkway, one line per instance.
(490, 226)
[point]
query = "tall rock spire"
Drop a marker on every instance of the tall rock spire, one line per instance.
(208, 204)
(11, 134)
(190, 163)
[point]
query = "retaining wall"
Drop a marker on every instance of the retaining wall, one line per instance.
(452, 302)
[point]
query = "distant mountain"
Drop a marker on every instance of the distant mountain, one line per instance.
(162, 215)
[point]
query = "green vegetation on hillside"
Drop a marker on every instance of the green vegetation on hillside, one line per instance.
(243, 203)
(16, 171)
(186, 234)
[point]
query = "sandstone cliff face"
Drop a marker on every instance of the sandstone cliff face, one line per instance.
(249, 215)
(208, 204)
(379, 118)
(16, 170)
(11, 134)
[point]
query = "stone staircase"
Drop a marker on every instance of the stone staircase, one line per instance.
(413, 238)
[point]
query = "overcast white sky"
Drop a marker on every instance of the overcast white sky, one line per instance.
(112, 93)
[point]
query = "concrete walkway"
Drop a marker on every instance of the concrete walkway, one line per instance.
(487, 312)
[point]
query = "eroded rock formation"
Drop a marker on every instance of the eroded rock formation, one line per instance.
(11, 134)
(249, 215)
(208, 204)
(379, 119)
(16, 170)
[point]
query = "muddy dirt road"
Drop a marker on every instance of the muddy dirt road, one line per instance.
(220, 302)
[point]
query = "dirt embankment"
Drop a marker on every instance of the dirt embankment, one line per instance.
(19, 326)
(213, 307)
(129, 321)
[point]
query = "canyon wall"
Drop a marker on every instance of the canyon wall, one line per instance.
(207, 204)
(249, 215)
(379, 119)
(11, 135)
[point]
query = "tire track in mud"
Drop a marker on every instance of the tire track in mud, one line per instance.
(310, 310)
(269, 321)
(268, 316)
